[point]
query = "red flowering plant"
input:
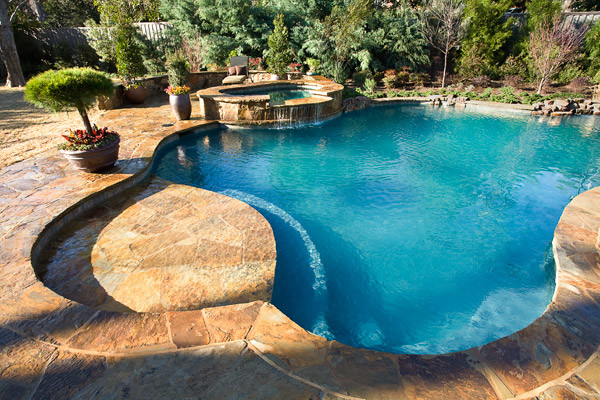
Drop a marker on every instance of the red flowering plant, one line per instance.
(255, 63)
(82, 140)
(294, 67)
(178, 90)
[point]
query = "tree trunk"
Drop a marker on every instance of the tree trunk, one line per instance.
(541, 85)
(8, 49)
(86, 121)
(37, 9)
(445, 66)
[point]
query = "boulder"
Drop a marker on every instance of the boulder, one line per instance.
(356, 103)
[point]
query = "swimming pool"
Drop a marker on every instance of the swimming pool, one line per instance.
(404, 228)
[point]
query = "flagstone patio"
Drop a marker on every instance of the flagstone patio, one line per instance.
(76, 343)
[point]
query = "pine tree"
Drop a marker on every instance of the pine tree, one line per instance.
(279, 55)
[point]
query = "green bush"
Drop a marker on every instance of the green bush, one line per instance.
(67, 89)
(506, 95)
(349, 93)
(128, 53)
(370, 85)
(178, 68)
(279, 55)
(419, 78)
(390, 79)
(360, 77)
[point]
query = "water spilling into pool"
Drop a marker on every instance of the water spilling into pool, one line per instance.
(405, 229)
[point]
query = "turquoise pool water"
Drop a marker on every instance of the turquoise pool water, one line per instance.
(277, 96)
(405, 228)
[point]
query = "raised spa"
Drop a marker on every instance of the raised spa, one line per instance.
(404, 228)
(311, 99)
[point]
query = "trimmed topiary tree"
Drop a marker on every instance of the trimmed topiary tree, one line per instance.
(279, 54)
(68, 89)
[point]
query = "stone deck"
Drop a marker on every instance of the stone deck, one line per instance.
(55, 347)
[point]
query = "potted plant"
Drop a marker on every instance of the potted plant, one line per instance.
(130, 63)
(313, 64)
(179, 99)
(178, 69)
(91, 149)
(279, 55)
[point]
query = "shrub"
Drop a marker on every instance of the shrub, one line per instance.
(486, 94)
(370, 85)
(506, 95)
(360, 77)
(402, 77)
(514, 66)
(419, 78)
(512, 80)
(530, 98)
(73, 88)
(178, 68)
(313, 64)
(63, 55)
(581, 83)
(378, 76)
(128, 53)
(390, 79)
(568, 73)
(87, 56)
(349, 93)
(482, 81)
(279, 54)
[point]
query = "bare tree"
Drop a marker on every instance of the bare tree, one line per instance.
(443, 27)
(553, 45)
(8, 49)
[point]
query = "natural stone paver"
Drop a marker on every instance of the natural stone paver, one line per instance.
(54, 347)
(68, 373)
(175, 248)
(22, 363)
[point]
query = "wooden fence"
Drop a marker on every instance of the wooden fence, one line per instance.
(77, 36)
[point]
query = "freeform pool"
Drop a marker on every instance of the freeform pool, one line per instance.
(404, 229)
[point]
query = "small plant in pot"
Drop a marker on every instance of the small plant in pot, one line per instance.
(91, 149)
(178, 69)
(313, 64)
(130, 63)
(279, 54)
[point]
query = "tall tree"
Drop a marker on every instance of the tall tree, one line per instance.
(484, 48)
(443, 27)
(551, 46)
(335, 39)
(8, 49)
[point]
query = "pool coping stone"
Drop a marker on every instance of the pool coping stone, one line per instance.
(42, 332)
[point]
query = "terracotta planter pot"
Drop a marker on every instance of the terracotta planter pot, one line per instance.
(136, 95)
(181, 106)
(95, 160)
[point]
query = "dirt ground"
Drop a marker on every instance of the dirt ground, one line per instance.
(26, 130)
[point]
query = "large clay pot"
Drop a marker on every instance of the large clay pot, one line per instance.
(181, 106)
(136, 95)
(94, 160)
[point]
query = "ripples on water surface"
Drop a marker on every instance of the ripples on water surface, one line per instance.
(405, 229)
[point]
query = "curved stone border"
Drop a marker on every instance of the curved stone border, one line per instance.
(557, 355)
(229, 105)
